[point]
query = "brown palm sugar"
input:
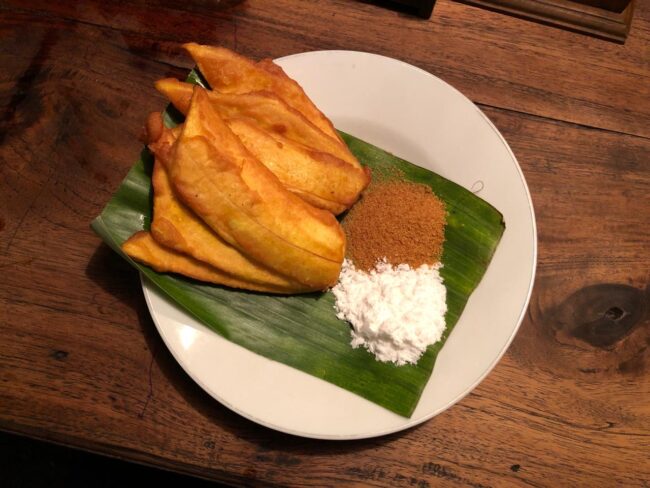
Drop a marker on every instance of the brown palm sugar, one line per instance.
(401, 221)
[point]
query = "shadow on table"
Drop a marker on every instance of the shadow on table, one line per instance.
(120, 280)
(410, 9)
(30, 463)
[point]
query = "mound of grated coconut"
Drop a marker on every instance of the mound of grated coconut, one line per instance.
(395, 311)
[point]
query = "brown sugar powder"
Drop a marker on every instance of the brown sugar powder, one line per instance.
(401, 221)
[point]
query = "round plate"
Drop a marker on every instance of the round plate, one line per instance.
(422, 119)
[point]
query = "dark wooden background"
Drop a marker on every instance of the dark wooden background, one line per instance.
(82, 364)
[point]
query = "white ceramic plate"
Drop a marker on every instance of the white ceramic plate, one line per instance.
(418, 117)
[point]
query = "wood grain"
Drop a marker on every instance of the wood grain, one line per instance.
(494, 59)
(569, 14)
(82, 364)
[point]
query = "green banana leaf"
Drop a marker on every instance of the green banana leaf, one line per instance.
(302, 331)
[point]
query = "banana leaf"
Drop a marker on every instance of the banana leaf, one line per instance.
(302, 331)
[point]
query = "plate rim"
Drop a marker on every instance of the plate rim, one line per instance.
(149, 289)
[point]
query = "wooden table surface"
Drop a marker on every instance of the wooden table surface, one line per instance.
(82, 364)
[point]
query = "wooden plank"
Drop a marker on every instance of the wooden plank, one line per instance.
(81, 362)
(495, 59)
(568, 14)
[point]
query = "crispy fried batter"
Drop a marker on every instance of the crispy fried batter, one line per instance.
(229, 72)
(266, 110)
(247, 206)
(142, 247)
(317, 176)
(177, 227)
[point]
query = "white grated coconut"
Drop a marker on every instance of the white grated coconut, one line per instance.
(395, 311)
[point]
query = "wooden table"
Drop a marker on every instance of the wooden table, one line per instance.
(81, 362)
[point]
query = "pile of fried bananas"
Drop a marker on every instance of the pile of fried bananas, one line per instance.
(246, 190)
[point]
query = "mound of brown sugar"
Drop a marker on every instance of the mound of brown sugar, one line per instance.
(401, 221)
